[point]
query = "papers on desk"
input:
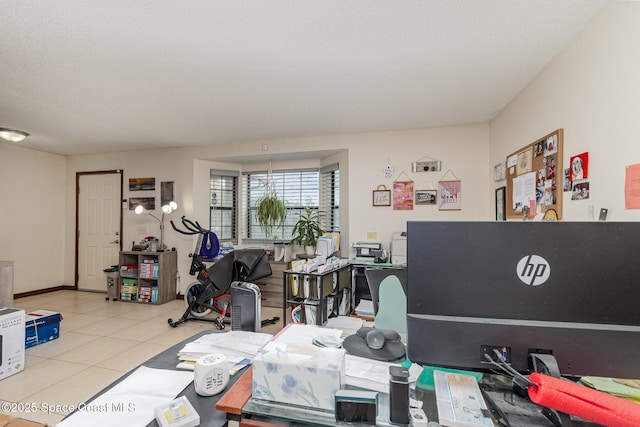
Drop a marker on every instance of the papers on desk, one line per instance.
(131, 402)
(629, 389)
(348, 325)
(305, 334)
(365, 308)
(239, 347)
(373, 374)
(459, 400)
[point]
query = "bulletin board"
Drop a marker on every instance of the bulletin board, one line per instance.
(534, 178)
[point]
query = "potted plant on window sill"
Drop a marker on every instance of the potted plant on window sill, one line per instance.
(307, 230)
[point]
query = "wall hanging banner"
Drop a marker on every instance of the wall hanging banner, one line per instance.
(449, 195)
(403, 195)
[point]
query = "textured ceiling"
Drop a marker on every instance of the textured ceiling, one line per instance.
(88, 77)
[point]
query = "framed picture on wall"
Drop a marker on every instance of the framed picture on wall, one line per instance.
(167, 192)
(149, 203)
(381, 196)
(501, 204)
(499, 172)
(426, 197)
(142, 184)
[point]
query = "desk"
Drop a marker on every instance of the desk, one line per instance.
(520, 412)
(232, 405)
(203, 405)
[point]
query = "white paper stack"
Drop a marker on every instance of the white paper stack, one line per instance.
(365, 308)
(239, 347)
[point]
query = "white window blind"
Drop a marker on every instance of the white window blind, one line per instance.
(298, 189)
(223, 204)
(330, 197)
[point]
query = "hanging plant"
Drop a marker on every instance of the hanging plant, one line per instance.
(270, 209)
(270, 213)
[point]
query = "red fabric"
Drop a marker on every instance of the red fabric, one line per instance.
(593, 405)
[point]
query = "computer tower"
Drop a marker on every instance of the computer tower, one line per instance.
(245, 307)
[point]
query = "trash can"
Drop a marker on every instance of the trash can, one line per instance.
(113, 282)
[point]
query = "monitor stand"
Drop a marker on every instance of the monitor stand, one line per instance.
(548, 365)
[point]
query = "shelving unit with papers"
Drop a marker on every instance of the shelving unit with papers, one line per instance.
(319, 295)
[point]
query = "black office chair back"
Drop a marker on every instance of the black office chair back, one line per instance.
(375, 276)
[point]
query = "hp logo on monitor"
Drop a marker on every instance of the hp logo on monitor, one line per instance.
(533, 270)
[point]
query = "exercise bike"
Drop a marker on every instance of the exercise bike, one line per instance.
(211, 290)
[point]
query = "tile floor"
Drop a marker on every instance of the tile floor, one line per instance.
(99, 342)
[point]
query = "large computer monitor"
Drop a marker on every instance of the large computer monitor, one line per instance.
(567, 288)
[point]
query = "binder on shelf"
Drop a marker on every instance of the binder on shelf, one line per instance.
(295, 285)
(310, 312)
(345, 303)
(306, 286)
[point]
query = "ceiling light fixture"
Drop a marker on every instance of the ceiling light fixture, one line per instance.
(12, 135)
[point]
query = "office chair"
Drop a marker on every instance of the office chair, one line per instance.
(388, 288)
(375, 276)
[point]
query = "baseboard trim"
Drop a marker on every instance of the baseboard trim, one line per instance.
(45, 291)
(61, 288)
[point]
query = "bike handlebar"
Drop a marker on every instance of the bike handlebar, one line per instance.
(192, 227)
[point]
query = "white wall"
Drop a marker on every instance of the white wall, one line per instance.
(591, 89)
(32, 216)
(165, 165)
(462, 149)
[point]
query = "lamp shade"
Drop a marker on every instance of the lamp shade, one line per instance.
(169, 207)
(12, 135)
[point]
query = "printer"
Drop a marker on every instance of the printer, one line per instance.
(368, 251)
(399, 248)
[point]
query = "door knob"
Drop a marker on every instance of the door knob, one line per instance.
(115, 241)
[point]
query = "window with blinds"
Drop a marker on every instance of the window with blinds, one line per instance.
(298, 189)
(223, 204)
(330, 197)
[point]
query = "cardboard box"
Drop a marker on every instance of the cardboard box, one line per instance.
(7, 421)
(41, 326)
(11, 341)
(298, 374)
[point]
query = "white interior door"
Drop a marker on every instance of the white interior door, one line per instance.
(99, 208)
